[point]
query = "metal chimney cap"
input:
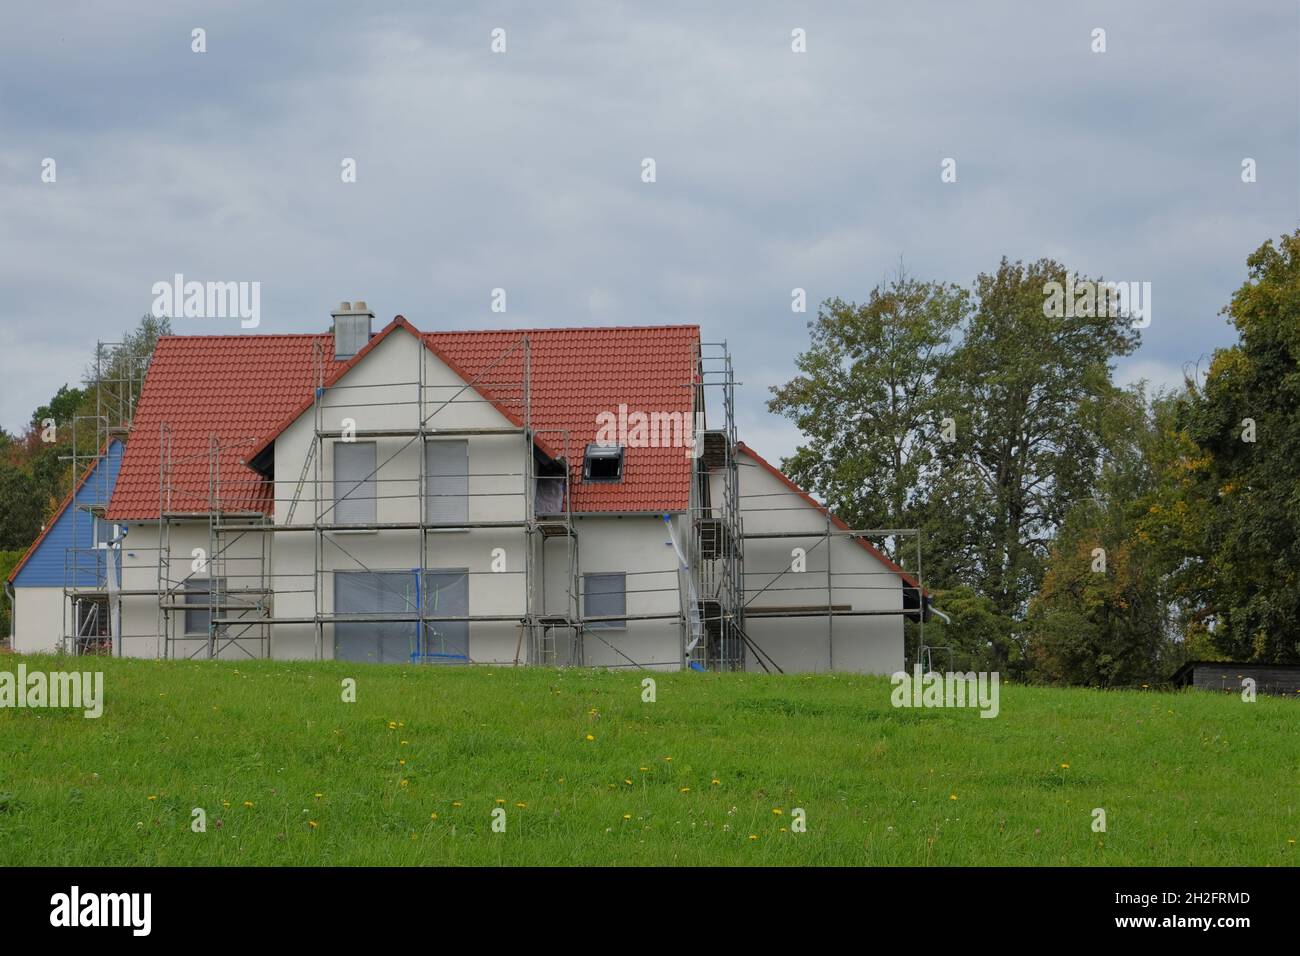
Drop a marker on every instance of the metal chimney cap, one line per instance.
(359, 306)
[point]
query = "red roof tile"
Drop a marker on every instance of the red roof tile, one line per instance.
(245, 389)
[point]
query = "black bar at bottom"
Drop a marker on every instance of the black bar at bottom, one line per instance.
(329, 906)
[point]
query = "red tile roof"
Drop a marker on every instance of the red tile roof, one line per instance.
(835, 520)
(246, 389)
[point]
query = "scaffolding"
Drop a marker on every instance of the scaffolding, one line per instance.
(229, 597)
(89, 575)
(914, 600)
(237, 593)
(716, 557)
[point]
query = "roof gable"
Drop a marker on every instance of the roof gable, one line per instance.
(343, 368)
(43, 564)
(834, 519)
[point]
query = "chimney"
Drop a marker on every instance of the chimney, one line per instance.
(351, 328)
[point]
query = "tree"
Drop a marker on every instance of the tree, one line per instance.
(39, 474)
(979, 638)
(978, 423)
(1106, 613)
(866, 400)
(1030, 389)
(1245, 579)
(7, 561)
(20, 509)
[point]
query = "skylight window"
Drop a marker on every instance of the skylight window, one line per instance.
(603, 463)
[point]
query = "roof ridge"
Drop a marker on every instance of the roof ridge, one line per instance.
(570, 328)
(260, 336)
(263, 336)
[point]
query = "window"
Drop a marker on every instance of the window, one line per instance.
(201, 591)
(354, 482)
(445, 593)
(604, 595)
(446, 487)
(382, 594)
(603, 463)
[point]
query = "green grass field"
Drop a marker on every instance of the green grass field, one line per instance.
(587, 773)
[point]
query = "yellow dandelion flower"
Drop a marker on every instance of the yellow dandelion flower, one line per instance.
(522, 806)
(319, 795)
(716, 782)
(685, 790)
(644, 769)
(753, 836)
(456, 803)
(405, 742)
(500, 802)
(776, 811)
(590, 737)
(225, 803)
(953, 797)
(404, 783)
(433, 816)
(401, 763)
(628, 816)
(152, 797)
(248, 803)
(1065, 766)
(628, 782)
(312, 824)
(392, 725)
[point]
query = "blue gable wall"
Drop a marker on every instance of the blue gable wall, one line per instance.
(45, 567)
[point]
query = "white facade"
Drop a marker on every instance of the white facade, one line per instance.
(858, 581)
(38, 615)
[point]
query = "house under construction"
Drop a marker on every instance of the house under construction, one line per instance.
(572, 496)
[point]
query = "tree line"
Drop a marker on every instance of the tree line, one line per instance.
(1075, 531)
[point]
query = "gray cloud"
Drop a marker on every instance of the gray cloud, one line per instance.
(775, 170)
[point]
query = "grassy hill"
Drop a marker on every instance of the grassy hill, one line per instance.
(587, 773)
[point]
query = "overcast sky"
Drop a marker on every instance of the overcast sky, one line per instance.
(522, 170)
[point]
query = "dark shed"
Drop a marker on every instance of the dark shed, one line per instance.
(1228, 675)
